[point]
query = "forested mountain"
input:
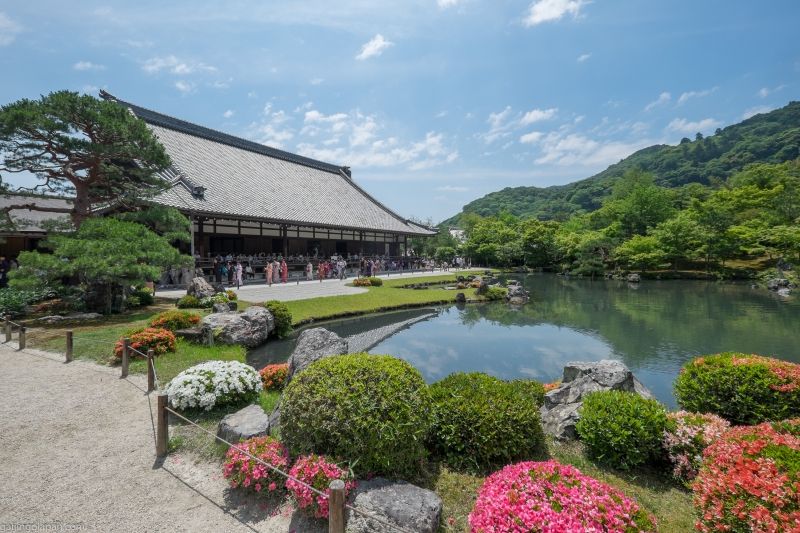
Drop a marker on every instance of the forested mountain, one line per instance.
(772, 137)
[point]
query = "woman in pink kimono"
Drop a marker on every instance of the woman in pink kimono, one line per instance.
(284, 271)
(276, 271)
(268, 273)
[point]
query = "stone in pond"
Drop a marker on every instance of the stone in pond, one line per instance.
(397, 502)
(249, 422)
(313, 345)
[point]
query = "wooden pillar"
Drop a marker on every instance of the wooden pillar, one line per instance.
(285, 235)
(69, 346)
(191, 226)
(22, 337)
(336, 507)
(162, 429)
(151, 371)
(8, 329)
(126, 342)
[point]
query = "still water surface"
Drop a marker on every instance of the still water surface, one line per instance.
(653, 327)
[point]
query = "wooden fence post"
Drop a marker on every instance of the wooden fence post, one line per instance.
(162, 429)
(336, 507)
(8, 329)
(69, 346)
(210, 337)
(126, 342)
(22, 337)
(151, 374)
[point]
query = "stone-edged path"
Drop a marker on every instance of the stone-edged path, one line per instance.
(77, 454)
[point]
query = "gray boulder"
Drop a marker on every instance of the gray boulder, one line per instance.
(461, 298)
(250, 328)
(200, 288)
(784, 291)
(560, 409)
(517, 295)
(397, 502)
(249, 422)
(634, 278)
(482, 288)
(74, 317)
(312, 345)
(774, 284)
(220, 308)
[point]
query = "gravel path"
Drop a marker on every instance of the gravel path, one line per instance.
(78, 454)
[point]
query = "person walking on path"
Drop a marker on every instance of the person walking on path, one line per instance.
(284, 271)
(239, 280)
(309, 271)
(268, 273)
(231, 272)
(321, 271)
(276, 271)
(217, 269)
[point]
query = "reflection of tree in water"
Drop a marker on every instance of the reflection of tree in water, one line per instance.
(665, 322)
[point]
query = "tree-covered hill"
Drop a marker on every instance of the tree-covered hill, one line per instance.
(772, 137)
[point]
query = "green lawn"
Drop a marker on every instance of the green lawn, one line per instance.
(377, 299)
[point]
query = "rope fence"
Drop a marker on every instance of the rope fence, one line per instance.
(336, 499)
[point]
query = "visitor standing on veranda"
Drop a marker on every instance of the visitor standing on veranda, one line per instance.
(268, 273)
(309, 271)
(284, 271)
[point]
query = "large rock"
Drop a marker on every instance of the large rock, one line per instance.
(312, 345)
(517, 295)
(397, 502)
(200, 288)
(74, 317)
(251, 421)
(221, 308)
(775, 284)
(634, 278)
(250, 328)
(560, 408)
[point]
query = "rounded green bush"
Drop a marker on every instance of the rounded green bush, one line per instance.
(531, 388)
(742, 388)
(375, 281)
(144, 295)
(481, 422)
(622, 429)
(189, 302)
(370, 410)
(283, 317)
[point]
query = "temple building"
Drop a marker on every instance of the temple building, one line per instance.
(247, 198)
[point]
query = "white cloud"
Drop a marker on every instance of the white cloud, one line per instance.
(184, 86)
(531, 138)
(549, 10)
(87, 65)
(499, 126)
(576, 149)
(175, 66)
(444, 4)
(452, 188)
(8, 29)
(681, 125)
(684, 97)
(229, 113)
(317, 81)
(272, 129)
(662, 99)
(766, 91)
(536, 115)
(374, 47)
(583, 57)
(756, 110)
(440, 114)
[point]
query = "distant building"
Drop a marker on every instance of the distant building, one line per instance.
(29, 225)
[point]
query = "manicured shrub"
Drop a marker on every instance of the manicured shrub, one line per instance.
(242, 471)
(495, 293)
(283, 317)
(274, 376)
(371, 410)
(375, 282)
(13, 301)
(174, 320)
(744, 389)
(362, 282)
(159, 340)
(750, 479)
(144, 295)
(189, 302)
(551, 497)
(622, 429)
(219, 298)
(317, 471)
(687, 435)
(231, 294)
(481, 422)
(530, 388)
(214, 383)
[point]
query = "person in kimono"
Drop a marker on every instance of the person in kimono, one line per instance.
(239, 280)
(309, 271)
(321, 271)
(276, 271)
(268, 273)
(284, 271)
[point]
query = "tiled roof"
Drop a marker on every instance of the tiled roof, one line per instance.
(246, 179)
(31, 221)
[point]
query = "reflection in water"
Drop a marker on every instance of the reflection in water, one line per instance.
(654, 328)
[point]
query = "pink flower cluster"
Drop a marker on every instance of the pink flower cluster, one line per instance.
(550, 497)
(245, 472)
(788, 373)
(687, 435)
(750, 480)
(317, 471)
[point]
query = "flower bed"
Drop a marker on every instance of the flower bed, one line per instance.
(159, 340)
(174, 320)
(750, 480)
(550, 497)
(245, 472)
(687, 435)
(214, 383)
(274, 376)
(317, 471)
(362, 282)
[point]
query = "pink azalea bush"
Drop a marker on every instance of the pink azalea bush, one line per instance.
(685, 438)
(242, 471)
(317, 471)
(550, 497)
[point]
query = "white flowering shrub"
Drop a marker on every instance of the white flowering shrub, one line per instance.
(212, 384)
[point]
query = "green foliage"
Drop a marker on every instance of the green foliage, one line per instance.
(481, 422)
(144, 295)
(105, 256)
(495, 293)
(219, 298)
(166, 221)
(531, 389)
(189, 301)
(94, 150)
(283, 317)
(444, 254)
(370, 410)
(640, 252)
(13, 301)
(375, 282)
(174, 320)
(742, 388)
(622, 429)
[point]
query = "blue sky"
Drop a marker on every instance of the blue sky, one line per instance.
(433, 103)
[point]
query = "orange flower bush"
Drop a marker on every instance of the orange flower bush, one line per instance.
(159, 339)
(274, 376)
(174, 320)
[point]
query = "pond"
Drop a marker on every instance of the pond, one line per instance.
(653, 327)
